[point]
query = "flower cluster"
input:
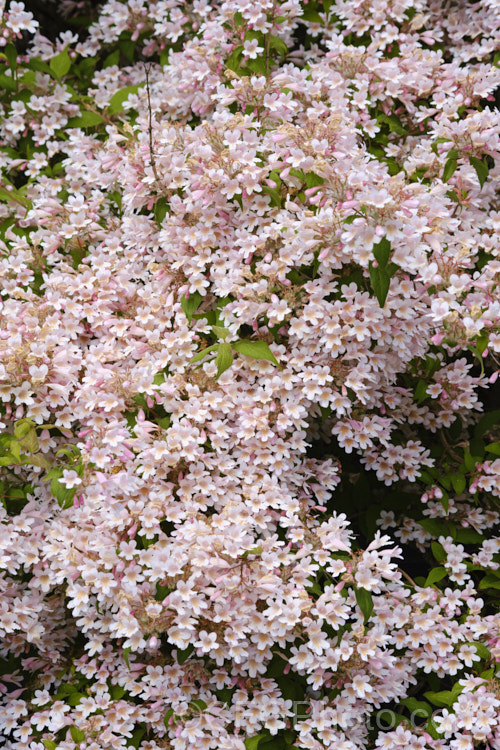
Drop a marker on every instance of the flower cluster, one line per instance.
(249, 268)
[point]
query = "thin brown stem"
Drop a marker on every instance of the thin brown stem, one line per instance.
(150, 128)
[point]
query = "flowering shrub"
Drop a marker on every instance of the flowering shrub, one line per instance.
(250, 338)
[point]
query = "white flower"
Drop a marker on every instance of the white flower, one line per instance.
(70, 479)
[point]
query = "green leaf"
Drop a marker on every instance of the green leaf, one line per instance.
(438, 551)
(15, 449)
(85, 120)
(200, 355)
(60, 64)
(420, 393)
(233, 61)
(252, 743)
(311, 15)
(197, 705)
(116, 692)
(13, 195)
(136, 738)
(184, 655)
(62, 494)
(120, 97)
(255, 349)
(476, 447)
(449, 169)
(74, 699)
(162, 592)
(257, 66)
(365, 602)
(77, 735)
(313, 180)
(190, 304)
(36, 63)
(458, 482)
(224, 358)
(469, 461)
(486, 423)
(112, 59)
(167, 717)
(382, 252)
(50, 744)
(22, 427)
(381, 282)
(436, 574)
(275, 42)
(445, 697)
(394, 124)
(481, 168)
(7, 82)
(127, 47)
(493, 448)
(435, 527)
(125, 653)
(274, 194)
(220, 332)
(161, 210)
(415, 706)
(437, 142)
(38, 460)
(11, 55)
(433, 730)
(490, 581)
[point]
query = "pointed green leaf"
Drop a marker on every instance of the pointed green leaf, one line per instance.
(420, 393)
(438, 551)
(8, 459)
(449, 169)
(200, 355)
(120, 97)
(224, 358)
(421, 708)
(481, 168)
(60, 64)
(275, 42)
(365, 602)
(7, 82)
(191, 304)
(234, 59)
(458, 482)
(252, 743)
(436, 574)
(490, 581)
(137, 736)
(160, 211)
(381, 282)
(469, 461)
(485, 424)
(255, 349)
(77, 735)
(62, 494)
(167, 717)
(85, 120)
(382, 252)
(220, 332)
(11, 55)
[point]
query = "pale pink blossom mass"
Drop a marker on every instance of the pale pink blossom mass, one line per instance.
(233, 233)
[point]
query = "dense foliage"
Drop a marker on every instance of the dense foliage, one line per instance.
(249, 349)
